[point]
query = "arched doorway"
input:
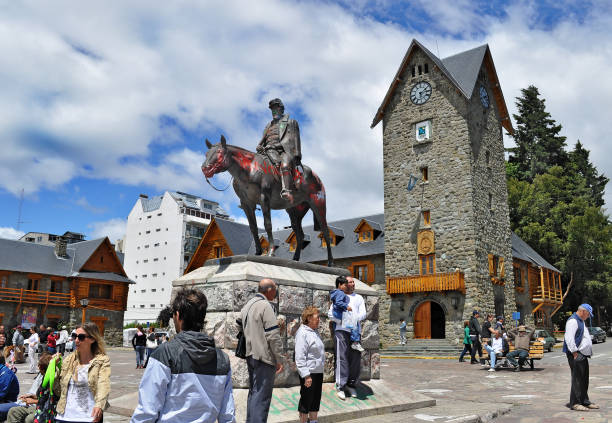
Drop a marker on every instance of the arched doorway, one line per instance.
(429, 321)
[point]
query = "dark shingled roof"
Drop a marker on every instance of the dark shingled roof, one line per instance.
(349, 246)
(237, 235)
(465, 66)
(522, 250)
(26, 257)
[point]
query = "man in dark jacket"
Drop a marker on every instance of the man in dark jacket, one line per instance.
(475, 332)
(187, 379)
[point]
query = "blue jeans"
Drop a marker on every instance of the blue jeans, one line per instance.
(140, 355)
(522, 355)
(4, 409)
(492, 355)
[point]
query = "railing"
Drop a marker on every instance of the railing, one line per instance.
(19, 295)
(547, 289)
(426, 283)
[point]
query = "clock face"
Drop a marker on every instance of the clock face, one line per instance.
(420, 93)
(484, 97)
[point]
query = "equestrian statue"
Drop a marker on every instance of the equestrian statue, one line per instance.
(274, 178)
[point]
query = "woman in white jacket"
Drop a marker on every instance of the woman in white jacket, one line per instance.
(309, 360)
(33, 341)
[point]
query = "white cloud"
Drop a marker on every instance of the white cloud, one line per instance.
(89, 98)
(114, 229)
(10, 233)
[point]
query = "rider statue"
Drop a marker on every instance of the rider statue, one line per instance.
(281, 143)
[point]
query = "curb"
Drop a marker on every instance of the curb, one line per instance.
(419, 357)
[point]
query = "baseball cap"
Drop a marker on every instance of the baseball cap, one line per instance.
(500, 317)
(475, 312)
(588, 308)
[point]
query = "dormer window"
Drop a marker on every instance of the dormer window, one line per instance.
(335, 236)
(332, 241)
(265, 245)
(367, 230)
(292, 241)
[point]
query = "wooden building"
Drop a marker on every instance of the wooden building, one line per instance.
(42, 284)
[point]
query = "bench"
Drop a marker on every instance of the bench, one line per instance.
(536, 352)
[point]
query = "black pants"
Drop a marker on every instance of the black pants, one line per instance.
(476, 346)
(467, 348)
(310, 398)
(261, 384)
(580, 379)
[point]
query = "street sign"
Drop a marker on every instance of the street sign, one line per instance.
(516, 315)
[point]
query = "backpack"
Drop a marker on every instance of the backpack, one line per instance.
(47, 400)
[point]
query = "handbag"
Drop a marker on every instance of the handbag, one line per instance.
(47, 400)
(151, 343)
(241, 344)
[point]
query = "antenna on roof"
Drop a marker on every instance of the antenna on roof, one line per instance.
(19, 221)
(437, 49)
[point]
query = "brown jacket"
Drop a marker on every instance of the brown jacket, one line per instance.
(521, 339)
(262, 333)
(98, 380)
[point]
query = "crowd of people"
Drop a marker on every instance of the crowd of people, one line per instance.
(190, 362)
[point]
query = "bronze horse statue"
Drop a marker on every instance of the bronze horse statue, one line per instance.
(257, 181)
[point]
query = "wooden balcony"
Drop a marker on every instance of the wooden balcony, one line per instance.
(426, 283)
(46, 298)
(545, 288)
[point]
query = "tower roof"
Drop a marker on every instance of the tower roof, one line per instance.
(462, 70)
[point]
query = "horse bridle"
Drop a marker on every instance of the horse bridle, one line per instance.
(217, 189)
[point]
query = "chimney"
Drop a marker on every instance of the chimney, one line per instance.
(60, 247)
(143, 196)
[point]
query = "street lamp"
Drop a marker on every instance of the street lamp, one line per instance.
(84, 304)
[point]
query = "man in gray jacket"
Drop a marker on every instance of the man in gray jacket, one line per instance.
(263, 350)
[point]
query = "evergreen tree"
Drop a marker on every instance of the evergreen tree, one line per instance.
(538, 143)
(580, 165)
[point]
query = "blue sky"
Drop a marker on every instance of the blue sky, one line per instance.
(103, 102)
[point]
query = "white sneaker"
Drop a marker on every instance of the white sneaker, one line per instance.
(492, 369)
(357, 346)
(341, 394)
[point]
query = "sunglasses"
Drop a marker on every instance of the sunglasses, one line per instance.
(81, 336)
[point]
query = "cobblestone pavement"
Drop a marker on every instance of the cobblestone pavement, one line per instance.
(464, 392)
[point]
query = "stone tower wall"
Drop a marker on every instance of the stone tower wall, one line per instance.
(457, 192)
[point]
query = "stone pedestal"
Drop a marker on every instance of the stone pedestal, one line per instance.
(230, 282)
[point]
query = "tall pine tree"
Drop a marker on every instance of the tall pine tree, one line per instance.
(538, 143)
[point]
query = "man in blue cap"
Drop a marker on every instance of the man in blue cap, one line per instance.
(578, 348)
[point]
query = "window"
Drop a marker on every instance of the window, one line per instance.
(366, 236)
(420, 70)
(163, 273)
(427, 264)
(426, 66)
(332, 240)
(159, 214)
(155, 259)
(166, 243)
(154, 275)
(156, 245)
(145, 261)
(143, 290)
(144, 276)
(98, 290)
(361, 272)
(153, 290)
(490, 201)
(162, 289)
(134, 291)
(152, 305)
(149, 216)
(147, 246)
(518, 279)
(496, 269)
(426, 218)
(138, 248)
(425, 174)
(142, 305)
(158, 229)
(39, 239)
(56, 286)
(33, 284)
(3, 281)
(147, 232)
(139, 233)
(136, 261)
(218, 252)
(487, 158)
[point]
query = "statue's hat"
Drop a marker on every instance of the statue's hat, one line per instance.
(276, 102)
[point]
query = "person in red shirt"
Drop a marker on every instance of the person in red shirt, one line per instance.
(52, 342)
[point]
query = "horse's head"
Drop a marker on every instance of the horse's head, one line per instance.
(217, 158)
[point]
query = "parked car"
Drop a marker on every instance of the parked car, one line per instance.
(597, 334)
(546, 338)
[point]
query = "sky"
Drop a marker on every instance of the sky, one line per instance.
(103, 101)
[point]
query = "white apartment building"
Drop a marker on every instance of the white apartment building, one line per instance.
(162, 234)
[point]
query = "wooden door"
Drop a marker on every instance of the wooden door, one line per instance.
(422, 321)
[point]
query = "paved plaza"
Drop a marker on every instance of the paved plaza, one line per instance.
(463, 392)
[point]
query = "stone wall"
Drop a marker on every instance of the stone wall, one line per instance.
(229, 283)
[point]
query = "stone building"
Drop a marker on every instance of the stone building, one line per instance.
(448, 240)
(42, 284)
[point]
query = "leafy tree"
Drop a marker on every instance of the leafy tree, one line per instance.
(538, 143)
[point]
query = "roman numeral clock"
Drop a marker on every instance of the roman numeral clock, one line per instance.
(420, 93)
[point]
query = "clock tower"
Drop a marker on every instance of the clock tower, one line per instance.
(447, 229)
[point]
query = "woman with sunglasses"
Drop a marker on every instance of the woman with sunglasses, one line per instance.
(85, 379)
